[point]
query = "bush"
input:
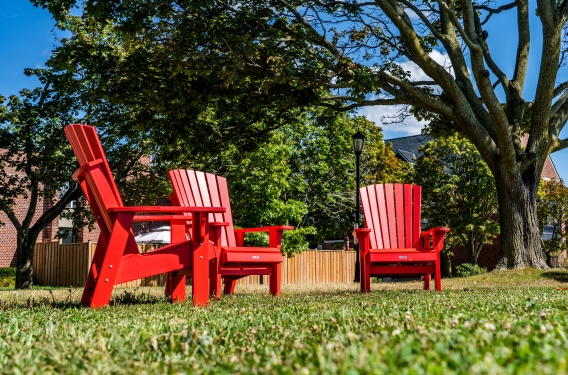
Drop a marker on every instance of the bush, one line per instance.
(293, 241)
(7, 277)
(468, 269)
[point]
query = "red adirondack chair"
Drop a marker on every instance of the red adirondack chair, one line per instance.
(117, 258)
(229, 259)
(392, 244)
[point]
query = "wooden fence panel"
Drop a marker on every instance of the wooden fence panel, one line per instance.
(58, 264)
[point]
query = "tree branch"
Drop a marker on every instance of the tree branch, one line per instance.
(424, 83)
(326, 43)
(12, 216)
(493, 11)
(522, 59)
(364, 103)
(559, 103)
(560, 89)
(424, 19)
(34, 190)
(51, 214)
(455, 21)
(560, 144)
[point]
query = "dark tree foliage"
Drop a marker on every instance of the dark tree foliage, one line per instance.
(240, 62)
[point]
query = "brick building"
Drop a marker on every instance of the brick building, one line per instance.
(406, 149)
(8, 235)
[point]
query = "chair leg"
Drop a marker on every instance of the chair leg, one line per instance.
(111, 257)
(98, 258)
(178, 288)
(214, 278)
(229, 285)
(427, 281)
(168, 288)
(366, 273)
(438, 277)
(362, 273)
(275, 276)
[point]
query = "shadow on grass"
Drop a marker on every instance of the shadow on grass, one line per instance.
(61, 299)
(558, 275)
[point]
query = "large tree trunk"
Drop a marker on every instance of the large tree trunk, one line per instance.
(25, 262)
(520, 233)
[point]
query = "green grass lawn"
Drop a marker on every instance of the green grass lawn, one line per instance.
(507, 322)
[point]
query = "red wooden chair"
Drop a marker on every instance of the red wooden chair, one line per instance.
(117, 258)
(230, 260)
(392, 244)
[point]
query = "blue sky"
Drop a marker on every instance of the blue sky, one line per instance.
(27, 38)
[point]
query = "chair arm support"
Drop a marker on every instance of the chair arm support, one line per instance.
(85, 168)
(363, 239)
(437, 235)
(274, 234)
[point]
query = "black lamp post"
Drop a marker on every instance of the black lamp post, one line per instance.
(358, 144)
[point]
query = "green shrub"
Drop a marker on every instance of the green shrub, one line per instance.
(468, 269)
(293, 241)
(7, 277)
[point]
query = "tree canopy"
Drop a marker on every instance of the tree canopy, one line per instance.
(36, 161)
(175, 59)
(459, 193)
(302, 175)
(553, 212)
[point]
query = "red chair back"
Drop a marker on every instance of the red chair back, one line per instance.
(199, 189)
(97, 184)
(392, 211)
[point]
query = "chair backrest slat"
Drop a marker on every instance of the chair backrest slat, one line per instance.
(408, 216)
(374, 216)
(98, 183)
(369, 220)
(198, 189)
(399, 207)
(204, 190)
(417, 209)
(384, 227)
(392, 211)
(391, 214)
(216, 202)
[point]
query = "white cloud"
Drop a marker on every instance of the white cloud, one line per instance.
(383, 115)
(380, 116)
(417, 74)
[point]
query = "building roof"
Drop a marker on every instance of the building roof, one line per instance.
(406, 148)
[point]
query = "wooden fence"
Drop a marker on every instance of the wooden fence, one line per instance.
(58, 264)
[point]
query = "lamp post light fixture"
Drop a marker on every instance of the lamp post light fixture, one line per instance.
(358, 145)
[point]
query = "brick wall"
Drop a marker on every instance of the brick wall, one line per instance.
(8, 236)
(488, 257)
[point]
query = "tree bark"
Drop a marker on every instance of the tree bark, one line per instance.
(520, 233)
(25, 262)
(475, 249)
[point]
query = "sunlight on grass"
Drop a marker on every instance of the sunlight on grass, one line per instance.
(503, 322)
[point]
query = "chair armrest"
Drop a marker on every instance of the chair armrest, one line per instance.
(166, 209)
(274, 234)
(161, 217)
(437, 236)
(219, 224)
(264, 229)
(82, 170)
(440, 229)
